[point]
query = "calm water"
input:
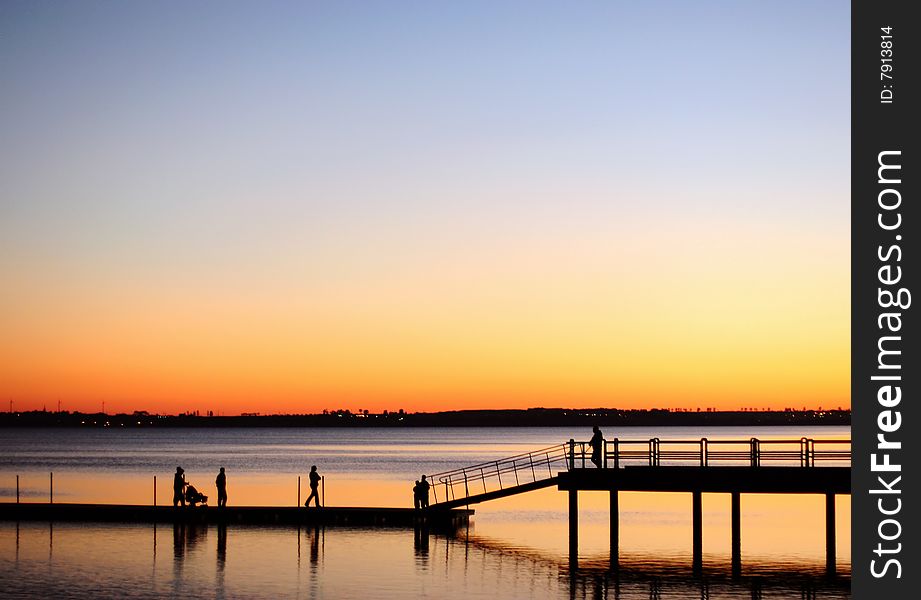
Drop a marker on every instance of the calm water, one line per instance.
(515, 547)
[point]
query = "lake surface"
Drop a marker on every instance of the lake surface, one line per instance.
(516, 547)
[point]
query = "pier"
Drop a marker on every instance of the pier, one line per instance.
(734, 467)
(436, 518)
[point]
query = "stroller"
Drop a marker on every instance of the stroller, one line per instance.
(193, 496)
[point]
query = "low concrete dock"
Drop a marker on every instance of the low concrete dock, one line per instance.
(371, 517)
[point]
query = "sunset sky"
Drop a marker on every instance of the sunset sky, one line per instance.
(292, 206)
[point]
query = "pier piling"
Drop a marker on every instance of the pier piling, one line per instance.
(830, 550)
(736, 534)
(697, 527)
(615, 527)
(573, 527)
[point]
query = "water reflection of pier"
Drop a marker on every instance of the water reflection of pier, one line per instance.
(774, 466)
(646, 577)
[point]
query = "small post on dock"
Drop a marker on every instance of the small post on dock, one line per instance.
(573, 527)
(155, 490)
(298, 493)
(830, 554)
(615, 527)
(51, 488)
(17, 487)
(323, 490)
(736, 534)
(697, 527)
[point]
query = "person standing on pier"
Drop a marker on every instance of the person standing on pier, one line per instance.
(221, 483)
(314, 487)
(179, 484)
(596, 443)
(424, 493)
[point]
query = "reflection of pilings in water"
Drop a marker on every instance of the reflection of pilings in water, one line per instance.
(631, 581)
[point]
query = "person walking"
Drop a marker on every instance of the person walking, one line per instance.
(179, 484)
(221, 483)
(314, 487)
(596, 443)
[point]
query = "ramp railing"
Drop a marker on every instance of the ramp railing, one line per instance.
(502, 474)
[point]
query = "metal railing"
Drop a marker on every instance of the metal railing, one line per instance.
(538, 465)
(500, 474)
(804, 452)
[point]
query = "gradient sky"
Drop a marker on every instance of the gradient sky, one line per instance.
(291, 206)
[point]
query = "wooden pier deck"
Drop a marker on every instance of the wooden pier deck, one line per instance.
(370, 517)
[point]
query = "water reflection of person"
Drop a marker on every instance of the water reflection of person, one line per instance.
(596, 442)
(421, 541)
(221, 483)
(221, 545)
(314, 487)
(424, 493)
(178, 539)
(179, 484)
(315, 546)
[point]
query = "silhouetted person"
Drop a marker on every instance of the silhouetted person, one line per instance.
(179, 484)
(424, 493)
(314, 486)
(221, 483)
(596, 443)
(416, 500)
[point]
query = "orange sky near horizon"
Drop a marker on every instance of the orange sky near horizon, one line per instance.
(703, 321)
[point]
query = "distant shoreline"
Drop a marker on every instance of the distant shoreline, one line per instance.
(532, 417)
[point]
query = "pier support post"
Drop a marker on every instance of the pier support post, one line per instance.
(697, 529)
(736, 534)
(615, 527)
(830, 555)
(573, 527)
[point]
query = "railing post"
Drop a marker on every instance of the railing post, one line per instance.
(483, 479)
(155, 490)
(604, 454)
(572, 454)
(466, 488)
(323, 490)
(515, 469)
(616, 454)
(498, 475)
(755, 452)
(703, 452)
(17, 489)
(51, 488)
(298, 490)
(803, 449)
(533, 473)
